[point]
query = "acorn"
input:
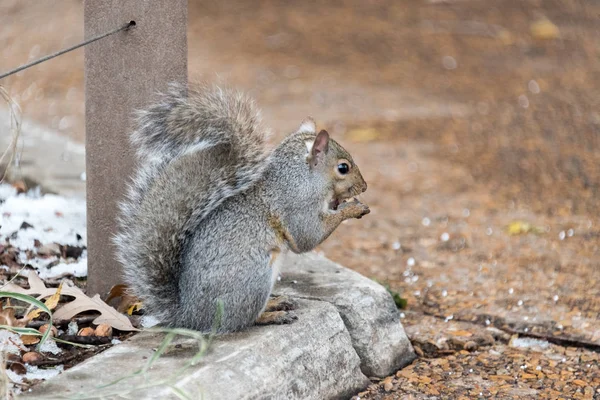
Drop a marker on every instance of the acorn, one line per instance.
(53, 330)
(86, 332)
(104, 330)
(31, 357)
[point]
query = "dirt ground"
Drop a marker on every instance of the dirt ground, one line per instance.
(477, 127)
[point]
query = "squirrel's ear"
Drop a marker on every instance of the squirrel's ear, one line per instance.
(319, 148)
(308, 125)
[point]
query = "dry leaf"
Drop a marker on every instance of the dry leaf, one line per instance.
(134, 307)
(461, 333)
(116, 292)
(363, 134)
(544, 29)
(128, 303)
(7, 316)
(108, 315)
(50, 302)
(521, 227)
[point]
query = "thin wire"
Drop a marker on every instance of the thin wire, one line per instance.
(50, 56)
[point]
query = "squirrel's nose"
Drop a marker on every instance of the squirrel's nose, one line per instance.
(364, 188)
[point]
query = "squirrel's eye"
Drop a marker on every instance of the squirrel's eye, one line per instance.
(343, 168)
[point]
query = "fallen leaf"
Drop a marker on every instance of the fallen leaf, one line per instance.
(134, 307)
(128, 302)
(7, 316)
(521, 227)
(461, 333)
(544, 29)
(108, 315)
(116, 292)
(81, 303)
(50, 302)
(363, 134)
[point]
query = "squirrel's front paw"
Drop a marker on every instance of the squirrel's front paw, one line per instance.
(354, 209)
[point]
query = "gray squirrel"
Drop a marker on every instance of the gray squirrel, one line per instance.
(210, 212)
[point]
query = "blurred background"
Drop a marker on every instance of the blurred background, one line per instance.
(476, 124)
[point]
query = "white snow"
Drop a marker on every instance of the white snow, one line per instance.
(55, 219)
(528, 343)
(50, 346)
(10, 342)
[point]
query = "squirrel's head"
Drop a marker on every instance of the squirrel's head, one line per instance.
(327, 157)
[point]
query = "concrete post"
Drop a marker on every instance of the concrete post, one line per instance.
(121, 73)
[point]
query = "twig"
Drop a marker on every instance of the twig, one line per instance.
(500, 323)
(93, 340)
(15, 127)
(63, 322)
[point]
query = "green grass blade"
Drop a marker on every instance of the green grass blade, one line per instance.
(35, 302)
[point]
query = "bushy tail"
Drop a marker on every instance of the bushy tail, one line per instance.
(195, 148)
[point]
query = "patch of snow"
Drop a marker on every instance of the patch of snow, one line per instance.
(72, 328)
(34, 372)
(54, 219)
(115, 341)
(10, 342)
(13, 376)
(50, 346)
(7, 191)
(528, 343)
(77, 269)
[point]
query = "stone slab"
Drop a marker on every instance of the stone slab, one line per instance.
(312, 358)
(366, 307)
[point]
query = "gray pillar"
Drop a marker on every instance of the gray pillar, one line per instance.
(122, 72)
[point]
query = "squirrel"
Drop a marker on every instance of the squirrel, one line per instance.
(210, 213)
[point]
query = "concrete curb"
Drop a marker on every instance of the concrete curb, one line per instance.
(348, 329)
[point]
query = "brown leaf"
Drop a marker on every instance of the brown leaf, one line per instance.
(363, 134)
(117, 291)
(128, 303)
(7, 317)
(134, 307)
(50, 302)
(108, 315)
(461, 333)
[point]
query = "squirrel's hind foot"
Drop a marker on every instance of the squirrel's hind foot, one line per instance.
(278, 311)
(276, 318)
(281, 303)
